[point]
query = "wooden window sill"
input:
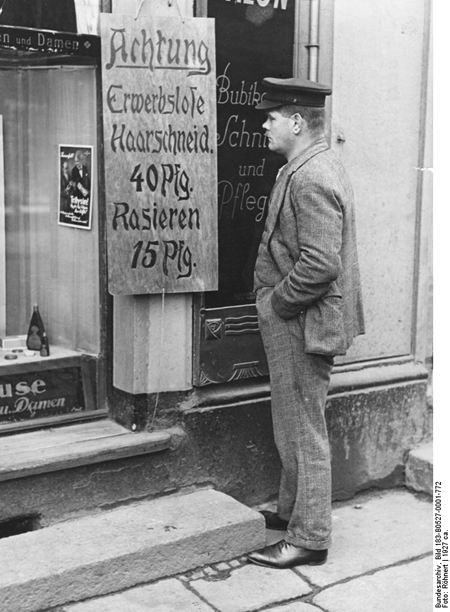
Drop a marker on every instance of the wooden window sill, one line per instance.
(49, 450)
(37, 363)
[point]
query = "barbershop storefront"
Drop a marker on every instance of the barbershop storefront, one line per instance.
(134, 185)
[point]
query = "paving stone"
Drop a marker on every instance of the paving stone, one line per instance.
(222, 567)
(397, 589)
(389, 528)
(296, 607)
(250, 588)
(198, 574)
(163, 596)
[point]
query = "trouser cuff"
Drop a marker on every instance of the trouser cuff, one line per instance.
(310, 544)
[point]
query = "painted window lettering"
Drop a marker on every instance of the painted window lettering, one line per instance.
(24, 398)
(25, 394)
(22, 388)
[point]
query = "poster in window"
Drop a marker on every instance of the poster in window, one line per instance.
(75, 182)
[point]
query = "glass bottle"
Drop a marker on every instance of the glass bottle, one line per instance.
(35, 331)
(45, 349)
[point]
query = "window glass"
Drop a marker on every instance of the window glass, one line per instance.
(47, 263)
(253, 41)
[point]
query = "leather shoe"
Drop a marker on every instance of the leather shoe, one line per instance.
(273, 521)
(283, 555)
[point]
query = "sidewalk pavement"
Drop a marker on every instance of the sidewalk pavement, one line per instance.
(380, 561)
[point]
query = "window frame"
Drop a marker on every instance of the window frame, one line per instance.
(93, 368)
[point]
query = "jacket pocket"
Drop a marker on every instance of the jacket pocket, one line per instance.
(324, 326)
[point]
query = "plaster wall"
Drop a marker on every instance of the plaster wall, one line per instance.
(377, 130)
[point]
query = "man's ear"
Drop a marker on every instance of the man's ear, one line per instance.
(298, 123)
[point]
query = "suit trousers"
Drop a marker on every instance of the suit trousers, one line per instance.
(299, 384)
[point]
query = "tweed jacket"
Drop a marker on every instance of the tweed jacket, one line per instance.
(308, 251)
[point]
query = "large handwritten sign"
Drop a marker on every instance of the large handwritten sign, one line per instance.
(160, 153)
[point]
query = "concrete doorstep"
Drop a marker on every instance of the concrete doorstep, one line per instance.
(106, 553)
(380, 561)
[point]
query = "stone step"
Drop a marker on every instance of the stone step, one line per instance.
(131, 545)
(419, 469)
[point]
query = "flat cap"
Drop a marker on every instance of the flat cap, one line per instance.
(279, 92)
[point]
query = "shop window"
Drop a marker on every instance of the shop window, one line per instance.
(49, 236)
(52, 265)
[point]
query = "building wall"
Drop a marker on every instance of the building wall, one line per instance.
(378, 130)
(379, 123)
(377, 410)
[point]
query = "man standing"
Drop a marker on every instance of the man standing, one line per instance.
(308, 298)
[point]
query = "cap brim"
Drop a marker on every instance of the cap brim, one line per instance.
(266, 104)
